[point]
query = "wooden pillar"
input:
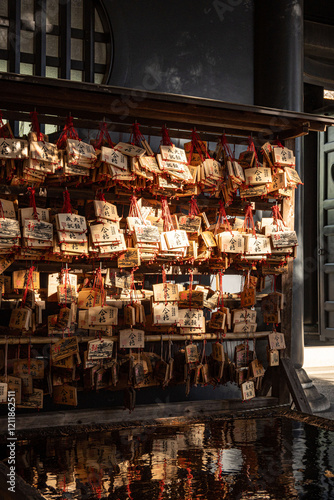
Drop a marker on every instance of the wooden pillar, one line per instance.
(278, 62)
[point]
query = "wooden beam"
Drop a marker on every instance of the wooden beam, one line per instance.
(297, 392)
(148, 338)
(128, 104)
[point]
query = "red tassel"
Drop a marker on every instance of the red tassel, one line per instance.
(226, 147)
(134, 209)
(100, 196)
(29, 279)
(277, 215)
(166, 215)
(251, 147)
(191, 280)
(68, 132)
(222, 218)
(35, 125)
(197, 147)
(165, 141)
(221, 295)
(67, 208)
(278, 143)
(136, 137)
(249, 221)
(103, 134)
(32, 201)
(4, 131)
(194, 210)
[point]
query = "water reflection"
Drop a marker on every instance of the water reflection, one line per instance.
(239, 459)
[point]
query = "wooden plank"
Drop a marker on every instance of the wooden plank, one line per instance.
(154, 412)
(295, 387)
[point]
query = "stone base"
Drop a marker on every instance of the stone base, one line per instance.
(318, 402)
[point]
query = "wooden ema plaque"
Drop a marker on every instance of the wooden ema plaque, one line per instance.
(89, 297)
(13, 149)
(38, 230)
(20, 280)
(191, 298)
(190, 224)
(24, 367)
(100, 349)
(257, 175)
(276, 341)
(15, 385)
(191, 318)
(165, 314)
(256, 368)
(64, 348)
(19, 318)
(273, 356)
(66, 294)
(5, 262)
(130, 258)
(105, 210)
(34, 400)
(218, 352)
(292, 176)
(248, 390)
(27, 384)
(105, 315)
(131, 338)
(3, 392)
(218, 320)
(284, 239)
(8, 209)
(245, 327)
(165, 292)
(176, 239)
(244, 315)
(44, 151)
(65, 395)
(230, 242)
(192, 355)
(71, 222)
(248, 297)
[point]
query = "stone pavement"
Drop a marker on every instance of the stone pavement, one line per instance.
(323, 379)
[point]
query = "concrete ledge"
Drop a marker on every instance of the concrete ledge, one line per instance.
(154, 412)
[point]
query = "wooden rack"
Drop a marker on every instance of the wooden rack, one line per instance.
(89, 104)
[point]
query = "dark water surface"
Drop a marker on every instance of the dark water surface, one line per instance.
(263, 458)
